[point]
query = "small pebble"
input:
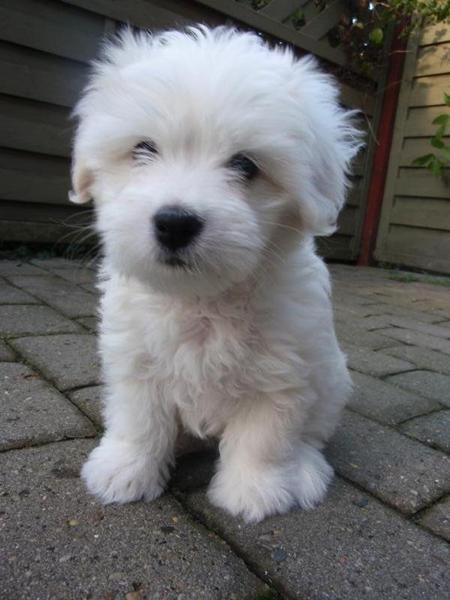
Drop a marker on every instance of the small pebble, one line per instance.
(362, 502)
(279, 555)
(167, 529)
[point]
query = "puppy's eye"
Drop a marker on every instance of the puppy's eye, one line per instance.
(145, 149)
(244, 166)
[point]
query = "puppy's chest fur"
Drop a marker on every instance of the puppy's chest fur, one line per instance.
(203, 356)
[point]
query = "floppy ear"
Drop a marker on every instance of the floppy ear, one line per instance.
(125, 48)
(333, 141)
(82, 180)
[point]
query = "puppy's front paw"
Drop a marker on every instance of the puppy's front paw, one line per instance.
(118, 471)
(251, 495)
(310, 476)
(256, 494)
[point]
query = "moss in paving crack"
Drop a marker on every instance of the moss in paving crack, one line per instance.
(266, 594)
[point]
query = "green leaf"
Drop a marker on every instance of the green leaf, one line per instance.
(440, 132)
(423, 161)
(436, 166)
(443, 120)
(447, 99)
(446, 153)
(376, 36)
(437, 142)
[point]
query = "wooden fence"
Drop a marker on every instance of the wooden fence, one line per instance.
(415, 219)
(45, 47)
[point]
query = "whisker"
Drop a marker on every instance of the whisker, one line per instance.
(281, 225)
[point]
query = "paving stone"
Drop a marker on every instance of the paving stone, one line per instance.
(441, 311)
(429, 329)
(89, 400)
(437, 519)
(350, 313)
(353, 300)
(90, 287)
(18, 267)
(68, 298)
(374, 363)
(90, 323)
(374, 322)
(424, 358)
(392, 310)
(430, 385)
(387, 403)
(351, 547)
(433, 429)
(349, 332)
(67, 360)
(12, 295)
(399, 301)
(30, 319)
(6, 354)
(348, 272)
(417, 339)
(400, 471)
(57, 542)
(50, 264)
(80, 275)
(33, 412)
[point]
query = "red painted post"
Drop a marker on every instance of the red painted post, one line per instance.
(381, 156)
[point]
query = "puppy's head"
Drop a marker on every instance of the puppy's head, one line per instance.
(207, 153)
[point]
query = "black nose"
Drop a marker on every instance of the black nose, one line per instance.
(176, 227)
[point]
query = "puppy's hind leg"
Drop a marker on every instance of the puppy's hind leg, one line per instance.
(264, 466)
(136, 451)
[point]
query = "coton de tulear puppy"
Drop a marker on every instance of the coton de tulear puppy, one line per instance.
(214, 161)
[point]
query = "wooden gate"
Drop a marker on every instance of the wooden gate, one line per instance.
(415, 220)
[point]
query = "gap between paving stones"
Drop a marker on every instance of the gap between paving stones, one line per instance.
(276, 581)
(64, 393)
(65, 438)
(347, 442)
(205, 536)
(38, 444)
(410, 518)
(44, 303)
(251, 565)
(47, 273)
(25, 361)
(181, 490)
(402, 422)
(386, 377)
(49, 377)
(198, 523)
(427, 414)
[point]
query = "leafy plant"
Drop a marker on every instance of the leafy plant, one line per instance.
(436, 162)
(363, 25)
(363, 30)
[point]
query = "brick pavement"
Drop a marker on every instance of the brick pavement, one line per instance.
(382, 532)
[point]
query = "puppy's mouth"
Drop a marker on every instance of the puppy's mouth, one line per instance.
(174, 261)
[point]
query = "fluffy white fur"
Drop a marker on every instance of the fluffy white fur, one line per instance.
(241, 345)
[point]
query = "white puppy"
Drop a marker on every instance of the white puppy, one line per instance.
(213, 161)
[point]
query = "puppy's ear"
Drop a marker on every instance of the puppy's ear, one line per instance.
(330, 141)
(82, 181)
